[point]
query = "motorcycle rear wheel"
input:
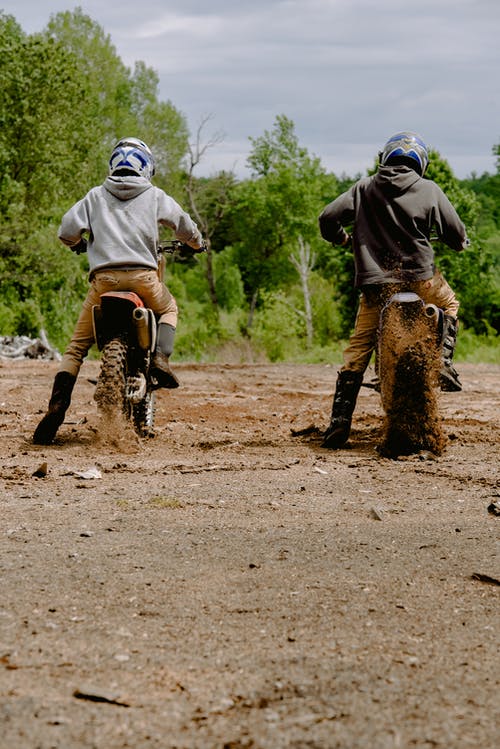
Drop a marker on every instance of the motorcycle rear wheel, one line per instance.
(110, 392)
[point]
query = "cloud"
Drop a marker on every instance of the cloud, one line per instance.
(193, 27)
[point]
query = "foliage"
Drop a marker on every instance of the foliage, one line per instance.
(478, 348)
(40, 143)
(276, 327)
(228, 282)
(496, 152)
(277, 206)
(66, 97)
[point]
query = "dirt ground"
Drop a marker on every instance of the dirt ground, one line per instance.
(231, 584)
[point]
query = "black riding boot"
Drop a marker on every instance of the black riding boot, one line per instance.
(161, 373)
(344, 400)
(58, 405)
(448, 376)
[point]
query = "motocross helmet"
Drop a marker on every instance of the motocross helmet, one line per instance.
(131, 156)
(406, 147)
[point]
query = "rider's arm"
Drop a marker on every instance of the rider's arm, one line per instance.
(74, 224)
(449, 227)
(335, 216)
(172, 215)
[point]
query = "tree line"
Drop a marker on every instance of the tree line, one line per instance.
(269, 285)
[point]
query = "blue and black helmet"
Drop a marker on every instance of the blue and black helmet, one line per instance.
(132, 156)
(405, 145)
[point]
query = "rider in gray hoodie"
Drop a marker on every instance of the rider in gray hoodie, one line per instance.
(392, 215)
(121, 219)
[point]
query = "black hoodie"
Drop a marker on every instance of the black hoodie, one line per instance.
(393, 214)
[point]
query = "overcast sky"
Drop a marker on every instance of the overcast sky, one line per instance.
(349, 73)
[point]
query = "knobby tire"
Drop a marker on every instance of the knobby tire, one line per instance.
(110, 394)
(111, 384)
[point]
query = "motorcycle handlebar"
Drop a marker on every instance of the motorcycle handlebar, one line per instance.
(176, 247)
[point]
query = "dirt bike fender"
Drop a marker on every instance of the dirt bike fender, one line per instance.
(413, 307)
(115, 315)
(126, 296)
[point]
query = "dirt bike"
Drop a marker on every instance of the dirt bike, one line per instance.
(125, 334)
(408, 362)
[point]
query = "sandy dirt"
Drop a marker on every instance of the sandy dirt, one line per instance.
(229, 584)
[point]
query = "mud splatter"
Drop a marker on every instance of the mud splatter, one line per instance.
(115, 432)
(409, 366)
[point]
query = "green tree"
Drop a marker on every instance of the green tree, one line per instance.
(209, 201)
(107, 99)
(471, 273)
(65, 98)
(41, 91)
(487, 303)
(496, 152)
(279, 205)
(41, 94)
(119, 102)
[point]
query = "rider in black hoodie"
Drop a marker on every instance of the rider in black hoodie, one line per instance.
(392, 215)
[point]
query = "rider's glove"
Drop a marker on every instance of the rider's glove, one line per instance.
(341, 238)
(346, 240)
(79, 247)
(185, 251)
(186, 255)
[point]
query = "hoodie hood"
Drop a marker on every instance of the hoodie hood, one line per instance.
(125, 188)
(395, 180)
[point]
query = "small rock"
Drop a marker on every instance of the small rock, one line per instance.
(90, 473)
(41, 471)
(494, 507)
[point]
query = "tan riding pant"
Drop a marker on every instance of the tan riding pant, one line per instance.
(363, 340)
(145, 283)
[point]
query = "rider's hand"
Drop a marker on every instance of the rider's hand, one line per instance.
(341, 238)
(79, 247)
(346, 240)
(186, 250)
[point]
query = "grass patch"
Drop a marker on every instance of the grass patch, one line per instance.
(477, 349)
(164, 503)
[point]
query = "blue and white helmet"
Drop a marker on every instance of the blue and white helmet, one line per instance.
(407, 145)
(131, 155)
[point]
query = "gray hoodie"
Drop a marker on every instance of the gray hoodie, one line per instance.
(122, 217)
(393, 214)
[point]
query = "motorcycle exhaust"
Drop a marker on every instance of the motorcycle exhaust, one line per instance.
(144, 329)
(431, 310)
(435, 316)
